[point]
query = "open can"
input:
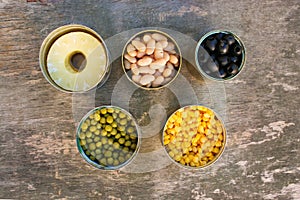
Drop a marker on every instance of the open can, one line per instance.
(108, 137)
(194, 137)
(151, 59)
(220, 55)
(74, 58)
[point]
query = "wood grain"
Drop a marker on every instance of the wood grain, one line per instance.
(39, 159)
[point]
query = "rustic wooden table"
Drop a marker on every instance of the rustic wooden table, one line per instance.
(39, 159)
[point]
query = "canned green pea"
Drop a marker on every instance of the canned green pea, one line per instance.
(108, 137)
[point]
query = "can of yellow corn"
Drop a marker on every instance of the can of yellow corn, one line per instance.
(194, 137)
(74, 58)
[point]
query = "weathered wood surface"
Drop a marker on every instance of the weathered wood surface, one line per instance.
(39, 159)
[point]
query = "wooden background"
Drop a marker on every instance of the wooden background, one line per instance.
(38, 154)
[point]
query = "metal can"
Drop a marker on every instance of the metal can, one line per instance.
(165, 77)
(194, 137)
(220, 55)
(108, 137)
(74, 58)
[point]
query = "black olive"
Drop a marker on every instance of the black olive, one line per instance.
(219, 36)
(230, 39)
(234, 59)
(223, 60)
(237, 49)
(232, 69)
(223, 47)
(222, 73)
(211, 43)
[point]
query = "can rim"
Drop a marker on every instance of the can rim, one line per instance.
(241, 67)
(57, 33)
(209, 163)
(98, 166)
(152, 31)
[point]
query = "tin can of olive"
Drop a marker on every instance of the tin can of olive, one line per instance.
(220, 55)
(194, 137)
(151, 59)
(74, 58)
(108, 137)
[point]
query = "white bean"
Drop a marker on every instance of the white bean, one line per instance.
(170, 46)
(130, 59)
(150, 47)
(157, 73)
(158, 37)
(131, 50)
(140, 46)
(158, 54)
(167, 80)
(158, 64)
(146, 38)
(167, 72)
(166, 56)
(146, 79)
(146, 70)
(140, 54)
(173, 59)
(146, 60)
(164, 43)
(158, 80)
(135, 69)
(162, 69)
(170, 65)
(126, 64)
(136, 78)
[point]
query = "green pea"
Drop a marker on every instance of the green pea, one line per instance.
(108, 134)
(121, 159)
(122, 115)
(121, 140)
(110, 141)
(98, 151)
(89, 140)
(107, 154)
(110, 148)
(133, 146)
(98, 157)
(91, 116)
(113, 131)
(82, 142)
(114, 124)
(108, 128)
(103, 161)
(98, 126)
(82, 136)
(109, 119)
(102, 120)
(115, 155)
(103, 132)
(118, 136)
(93, 122)
(127, 137)
(127, 143)
(92, 146)
(104, 140)
(98, 144)
(110, 110)
(130, 129)
(84, 126)
(92, 157)
(123, 133)
(88, 134)
(93, 153)
(128, 156)
(93, 128)
(103, 111)
(106, 146)
(87, 153)
(132, 136)
(96, 139)
(125, 149)
(116, 163)
(116, 145)
(123, 122)
(115, 115)
(110, 161)
(88, 122)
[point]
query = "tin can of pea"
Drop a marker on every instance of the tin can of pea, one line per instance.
(108, 137)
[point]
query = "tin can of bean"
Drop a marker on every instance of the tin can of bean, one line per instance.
(220, 55)
(194, 137)
(74, 58)
(108, 138)
(151, 59)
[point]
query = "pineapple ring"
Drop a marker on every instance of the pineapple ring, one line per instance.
(59, 62)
